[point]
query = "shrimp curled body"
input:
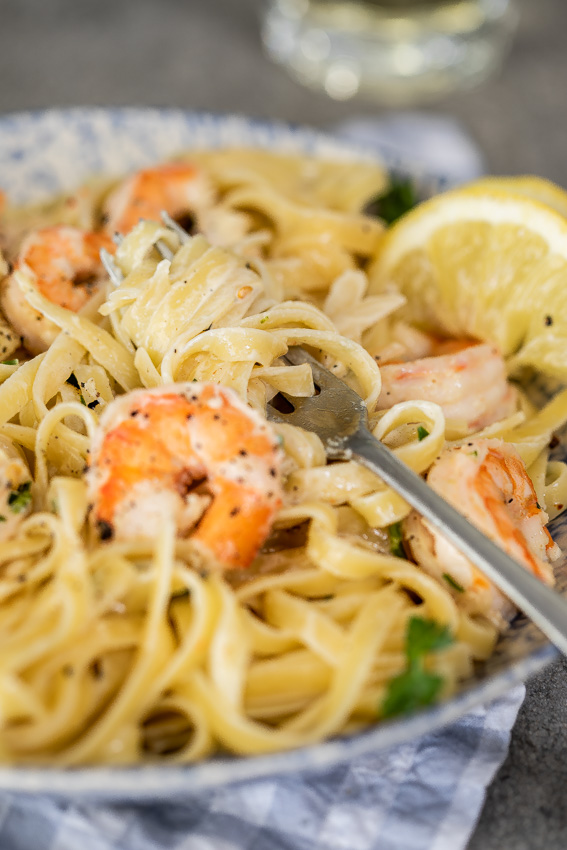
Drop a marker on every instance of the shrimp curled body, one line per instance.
(65, 265)
(179, 188)
(193, 452)
(467, 380)
(486, 481)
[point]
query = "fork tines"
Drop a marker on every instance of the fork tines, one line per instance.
(112, 269)
(322, 377)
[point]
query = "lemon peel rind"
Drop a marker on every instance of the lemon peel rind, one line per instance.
(495, 207)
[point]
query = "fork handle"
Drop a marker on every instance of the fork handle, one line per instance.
(545, 607)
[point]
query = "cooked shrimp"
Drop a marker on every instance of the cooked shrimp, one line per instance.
(467, 379)
(66, 268)
(486, 481)
(179, 188)
(15, 490)
(193, 452)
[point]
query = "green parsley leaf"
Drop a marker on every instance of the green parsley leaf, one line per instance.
(412, 690)
(416, 687)
(395, 535)
(424, 636)
(422, 433)
(264, 319)
(82, 400)
(398, 199)
(3, 518)
(454, 584)
(10, 362)
(19, 499)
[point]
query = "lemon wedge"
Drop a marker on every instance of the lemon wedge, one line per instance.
(526, 186)
(486, 263)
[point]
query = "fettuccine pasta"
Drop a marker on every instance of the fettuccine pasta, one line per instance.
(136, 622)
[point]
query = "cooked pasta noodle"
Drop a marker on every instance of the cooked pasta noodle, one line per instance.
(124, 647)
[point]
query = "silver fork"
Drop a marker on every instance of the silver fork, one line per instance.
(112, 269)
(339, 417)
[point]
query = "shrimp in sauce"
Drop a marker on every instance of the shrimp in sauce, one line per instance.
(183, 190)
(66, 268)
(485, 480)
(467, 379)
(179, 188)
(193, 452)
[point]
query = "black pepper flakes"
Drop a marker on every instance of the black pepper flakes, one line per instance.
(105, 530)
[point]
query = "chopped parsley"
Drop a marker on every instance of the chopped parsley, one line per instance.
(3, 518)
(416, 687)
(19, 499)
(454, 584)
(399, 198)
(422, 433)
(10, 362)
(264, 319)
(412, 690)
(396, 544)
(83, 402)
(425, 636)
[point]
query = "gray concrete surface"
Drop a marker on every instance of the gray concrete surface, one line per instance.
(205, 54)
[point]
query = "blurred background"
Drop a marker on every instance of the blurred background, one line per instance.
(208, 55)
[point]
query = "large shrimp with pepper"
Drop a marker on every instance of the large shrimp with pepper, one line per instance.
(192, 452)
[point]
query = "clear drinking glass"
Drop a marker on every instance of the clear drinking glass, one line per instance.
(395, 51)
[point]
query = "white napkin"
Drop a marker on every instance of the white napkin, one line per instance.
(424, 795)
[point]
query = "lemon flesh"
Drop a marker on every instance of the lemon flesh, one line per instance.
(491, 265)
